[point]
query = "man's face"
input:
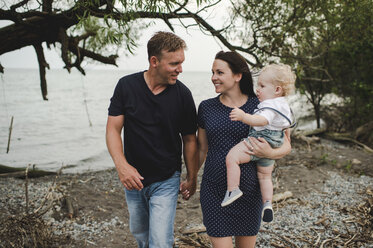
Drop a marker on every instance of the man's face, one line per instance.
(169, 66)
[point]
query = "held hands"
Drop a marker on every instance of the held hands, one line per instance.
(188, 188)
(237, 114)
(130, 177)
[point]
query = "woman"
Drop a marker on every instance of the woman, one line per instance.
(217, 134)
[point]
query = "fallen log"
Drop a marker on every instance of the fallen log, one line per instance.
(7, 171)
(345, 137)
(317, 131)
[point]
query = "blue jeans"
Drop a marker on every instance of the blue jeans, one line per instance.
(152, 212)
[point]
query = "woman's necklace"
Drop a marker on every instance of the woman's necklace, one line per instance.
(233, 102)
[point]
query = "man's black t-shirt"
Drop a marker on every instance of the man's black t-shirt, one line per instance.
(153, 125)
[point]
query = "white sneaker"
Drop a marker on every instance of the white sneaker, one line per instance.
(231, 196)
(267, 214)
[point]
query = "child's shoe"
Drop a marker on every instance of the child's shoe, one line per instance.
(231, 196)
(267, 214)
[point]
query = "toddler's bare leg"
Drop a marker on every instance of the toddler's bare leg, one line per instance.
(235, 157)
(265, 181)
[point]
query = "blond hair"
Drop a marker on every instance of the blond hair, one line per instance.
(281, 75)
(164, 41)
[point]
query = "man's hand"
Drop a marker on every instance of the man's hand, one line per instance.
(130, 177)
(237, 114)
(188, 188)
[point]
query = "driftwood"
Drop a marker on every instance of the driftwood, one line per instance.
(282, 196)
(10, 134)
(196, 229)
(69, 205)
(346, 137)
(317, 131)
(29, 229)
(364, 133)
(7, 171)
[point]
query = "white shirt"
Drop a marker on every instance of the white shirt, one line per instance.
(275, 120)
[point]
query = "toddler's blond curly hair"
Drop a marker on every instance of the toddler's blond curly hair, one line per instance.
(281, 75)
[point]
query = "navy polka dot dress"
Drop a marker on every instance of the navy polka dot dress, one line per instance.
(242, 217)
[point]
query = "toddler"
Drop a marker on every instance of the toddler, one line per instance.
(269, 121)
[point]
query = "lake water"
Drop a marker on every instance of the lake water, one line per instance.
(57, 132)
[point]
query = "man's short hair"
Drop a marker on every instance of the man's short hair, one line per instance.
(164, 41)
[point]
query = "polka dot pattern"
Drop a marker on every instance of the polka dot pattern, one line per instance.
(242, 217)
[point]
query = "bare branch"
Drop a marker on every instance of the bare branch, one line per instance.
(111, 60)
(64, 40)
(169, 24)
(316, 79)
(208, 6)
(47, 5)
(16, 6)
(181, 6)
(42, 65)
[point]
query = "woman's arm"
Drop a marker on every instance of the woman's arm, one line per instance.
(260, 147)
(202, 146)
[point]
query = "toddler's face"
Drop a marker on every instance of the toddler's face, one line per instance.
(265, 89)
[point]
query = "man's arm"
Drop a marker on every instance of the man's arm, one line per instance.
(188, 187)
(260, 147)
(128, 175)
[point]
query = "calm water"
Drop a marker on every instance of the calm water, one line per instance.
(57, 132)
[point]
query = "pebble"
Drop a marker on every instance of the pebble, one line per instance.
(299, 220)
(293, 220)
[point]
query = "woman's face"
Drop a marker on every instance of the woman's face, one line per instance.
(223, 77)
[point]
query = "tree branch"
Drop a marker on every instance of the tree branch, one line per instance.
(110, 60)
(16, 6)
(316, 79)
(47, 5)
(64, 40)
(42, 65)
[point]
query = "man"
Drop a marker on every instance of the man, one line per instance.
(158, 115)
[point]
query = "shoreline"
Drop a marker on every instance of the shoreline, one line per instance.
(328, 207)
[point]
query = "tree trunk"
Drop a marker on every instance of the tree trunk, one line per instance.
(316, 109)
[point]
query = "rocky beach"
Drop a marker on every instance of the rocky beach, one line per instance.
(325, 192)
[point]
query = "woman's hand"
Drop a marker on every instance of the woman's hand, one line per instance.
(262, 149)
(259, 147)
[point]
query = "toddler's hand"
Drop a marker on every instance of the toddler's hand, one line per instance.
(237, 114)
